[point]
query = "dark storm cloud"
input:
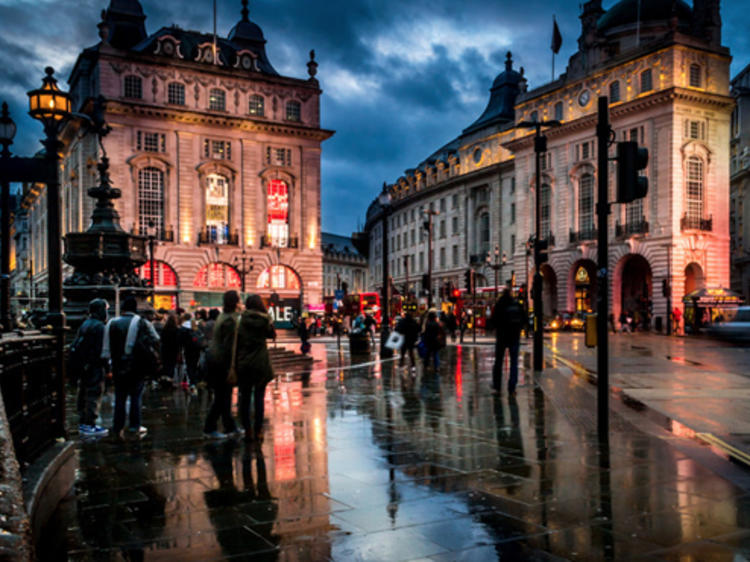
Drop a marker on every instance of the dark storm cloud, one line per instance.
(400, 78)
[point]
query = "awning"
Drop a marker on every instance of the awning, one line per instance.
(714, 298)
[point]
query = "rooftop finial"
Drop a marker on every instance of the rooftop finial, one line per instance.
(245, 11)
(508, 62)
(312, 66)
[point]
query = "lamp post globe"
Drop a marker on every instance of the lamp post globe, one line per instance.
(7, 127)
(49, 104)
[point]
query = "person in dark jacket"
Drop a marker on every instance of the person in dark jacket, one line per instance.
(507, 319)
(254, 370)
(220, 350)
(432, 335)
(170, 348)
(189, 337)
(91, 383)
(408, 328)
(121, 344)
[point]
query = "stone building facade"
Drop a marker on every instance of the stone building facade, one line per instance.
(343, 266)
(739, 206)
(215, 154)
(667, 79)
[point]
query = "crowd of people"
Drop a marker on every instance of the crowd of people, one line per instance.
(212, 349)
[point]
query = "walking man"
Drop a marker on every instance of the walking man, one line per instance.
(408, 328)
(87, 348)
(133, 345)
(507, 319)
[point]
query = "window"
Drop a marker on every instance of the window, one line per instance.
(695, 76)
(256, 105)
(217, 276)
(586, 204)
(513, 185)
(695, 130)
(293, 111)
(534, 116)
(454, 201)
(217, 209)
(455, 255)
(442, 258)
(133, 87)
(484, 233)
(646, 84)
(278, 213)
(150, 142)
(694, 191)
(614, 91)
(217, 149)
(634, 212)
(217, 100)
(545, 210)
(442, 229)
(151, 199)
(512, 213)
(276, 156)
(413, 240)
(442, 205)
(176, 93)
(512, 243)
(421, 261)
(559, 111)
(454, 225)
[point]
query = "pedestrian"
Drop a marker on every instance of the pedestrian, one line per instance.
(254, 370)
(507, 319)
(677, 317)
(133, 346)
(408, 328)
(434, 339)
(450, 324)
(304, 334)
(87, 348)
(463, 323)
(189, 338)
(170, 349)
(612, 322)
(220, 352)
(370, 326)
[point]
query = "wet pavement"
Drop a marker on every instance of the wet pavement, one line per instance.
(369, 462)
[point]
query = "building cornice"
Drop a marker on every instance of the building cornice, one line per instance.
(204, 118)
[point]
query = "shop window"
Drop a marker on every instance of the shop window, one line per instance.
(278, 213)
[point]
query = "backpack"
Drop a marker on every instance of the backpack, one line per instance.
(514, 316)
(145, 357)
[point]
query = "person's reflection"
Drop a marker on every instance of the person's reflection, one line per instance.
(430, 394)
(510, 441)
(605, 539)
(255, 502)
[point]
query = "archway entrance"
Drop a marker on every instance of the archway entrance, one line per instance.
(166, 293)
(549, 289)
(636, 289)
(211, 282)
(281, 290)
(583, 286)
(693, 278)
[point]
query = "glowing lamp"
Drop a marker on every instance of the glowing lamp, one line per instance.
(49, 104)
(7, 127)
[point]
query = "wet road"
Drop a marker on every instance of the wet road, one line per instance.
(370, 462)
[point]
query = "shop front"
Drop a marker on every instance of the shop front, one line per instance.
(281, 290)
(706, 306)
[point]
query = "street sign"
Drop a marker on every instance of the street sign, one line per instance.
(338, 295)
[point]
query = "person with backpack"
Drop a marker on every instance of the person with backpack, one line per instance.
(170, 349)
(408, 328)
(507, 319)
(133, 346)
(189, 338)
(433, 337)
(86, 358)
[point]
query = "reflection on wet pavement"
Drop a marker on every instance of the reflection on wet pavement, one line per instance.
(374, 463)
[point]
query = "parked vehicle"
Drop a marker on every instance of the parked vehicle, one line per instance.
(735, 328)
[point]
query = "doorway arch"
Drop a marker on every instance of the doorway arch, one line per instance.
(549, 289)
(634, 294)
(694, 278)
(582, 286)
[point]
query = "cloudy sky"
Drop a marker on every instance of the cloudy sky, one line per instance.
(400, 77)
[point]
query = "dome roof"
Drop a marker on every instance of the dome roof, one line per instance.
(625, 12)
(245, 30)
(500, 108)
(128, 7)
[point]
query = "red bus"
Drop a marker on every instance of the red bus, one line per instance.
(357, 303)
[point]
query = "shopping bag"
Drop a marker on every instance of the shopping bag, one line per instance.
(395, 341)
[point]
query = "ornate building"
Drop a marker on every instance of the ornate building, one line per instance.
(739, 207)
(667, 79)
(343, 266)
(214, 151)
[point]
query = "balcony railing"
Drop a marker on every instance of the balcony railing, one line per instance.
(267, 242)
(218, 236)
(166, 235)
(630, 228)
(583, 235)
(696, 223)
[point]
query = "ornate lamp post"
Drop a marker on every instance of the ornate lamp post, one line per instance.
(385, 202)
(7, 132)
(242, 269)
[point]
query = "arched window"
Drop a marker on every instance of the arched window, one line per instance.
(151, 199)
(219, 276)
(694, 189)
(164, 275)
(545, 210)
(256, 105)
(559, 111)
(217, 209)
(695, 76)
(278, 213)
(484, 233)
(176, 93)
(133, 87)
(293, 111)
(646, 84)
(279, 277)
(614, 91)
(217, 100)
(586, 205)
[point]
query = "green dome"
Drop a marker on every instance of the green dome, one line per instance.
(625, 13)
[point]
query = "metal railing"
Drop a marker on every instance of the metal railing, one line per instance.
(215, 236)
(630, 228)
(267, 242)
(33, 393)
(582, 235)
(166, 235)
(696, 223)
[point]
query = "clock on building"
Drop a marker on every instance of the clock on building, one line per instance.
(584, 98)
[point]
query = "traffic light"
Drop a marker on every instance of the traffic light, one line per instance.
(455, 295)
(469, 280)
(425, 283)
(541, 252)
(631, 159)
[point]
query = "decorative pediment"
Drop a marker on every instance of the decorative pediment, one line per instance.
(169, 46)
(206, 54)
(247, 60)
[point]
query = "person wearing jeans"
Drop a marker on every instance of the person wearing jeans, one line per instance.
(507, 319)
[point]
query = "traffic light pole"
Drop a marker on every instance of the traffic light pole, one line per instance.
(602, 308)
(430, 213)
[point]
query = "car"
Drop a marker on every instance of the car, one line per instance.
(736, 328)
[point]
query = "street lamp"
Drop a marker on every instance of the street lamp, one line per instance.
(428, 225)
(7, 132)
(384, 199)
(243, 271)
